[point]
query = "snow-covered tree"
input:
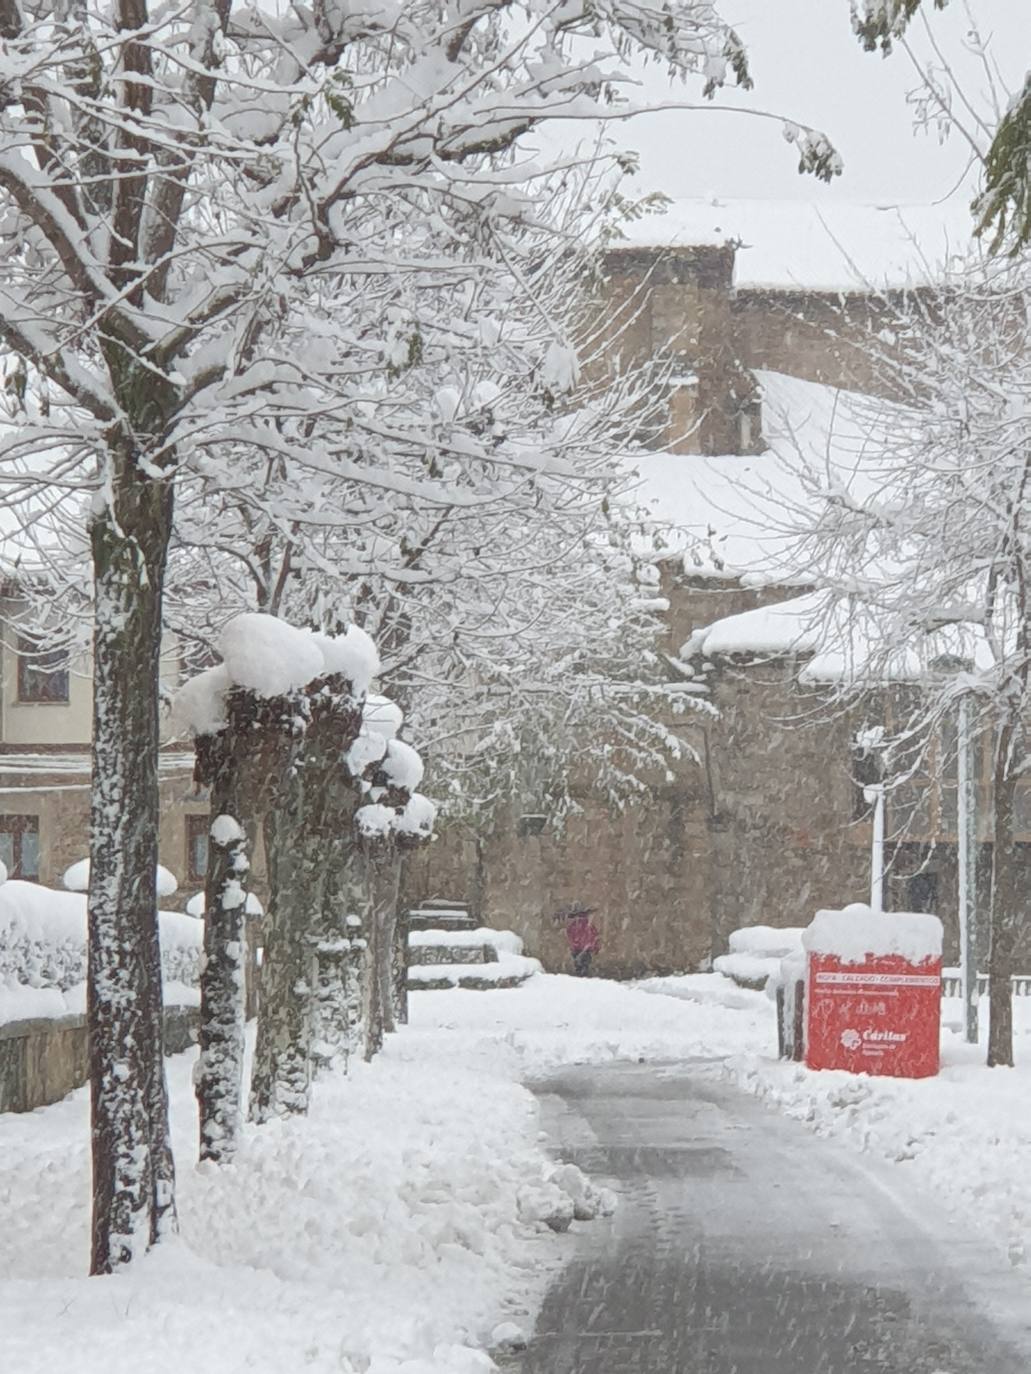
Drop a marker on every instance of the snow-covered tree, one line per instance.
(192, 201)
(920, 539)
(1003, 206)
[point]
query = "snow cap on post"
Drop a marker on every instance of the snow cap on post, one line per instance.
(268, 656)
(857, 934)
(199, 706)
(402, 765)
(368, 748)
(196, 906)
(375, 820)
(382, 716)
(418, 817)
(353, 655)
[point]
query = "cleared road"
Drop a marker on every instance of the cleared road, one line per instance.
(743, 1244)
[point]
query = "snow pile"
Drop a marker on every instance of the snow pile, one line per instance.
(375, 820)
(43, 939)
(705, 989)
(76, 879)
(555, 1020)
(857, 933)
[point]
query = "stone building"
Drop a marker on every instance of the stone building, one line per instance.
(766, 822)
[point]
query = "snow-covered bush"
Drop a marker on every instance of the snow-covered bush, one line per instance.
(43, 939)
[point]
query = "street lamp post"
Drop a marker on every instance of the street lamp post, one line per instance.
(966, 827)
(873, 795)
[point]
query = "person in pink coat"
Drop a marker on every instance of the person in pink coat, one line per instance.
(582, 936)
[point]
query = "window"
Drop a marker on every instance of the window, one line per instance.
(197, 828)
(42, 673)
(19, 846)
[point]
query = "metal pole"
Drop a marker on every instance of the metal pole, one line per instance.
(966, 827)
(875, 794)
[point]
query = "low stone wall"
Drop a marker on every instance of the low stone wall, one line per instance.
(42, 1061)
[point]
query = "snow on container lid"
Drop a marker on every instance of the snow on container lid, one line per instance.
(857, 933)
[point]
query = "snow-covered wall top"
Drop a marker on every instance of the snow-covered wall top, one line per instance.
(831, 246)
(857, 933)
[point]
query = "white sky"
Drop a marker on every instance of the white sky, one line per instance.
(808, 65)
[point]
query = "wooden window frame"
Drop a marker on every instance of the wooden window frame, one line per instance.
(196, 825)
(18, 825)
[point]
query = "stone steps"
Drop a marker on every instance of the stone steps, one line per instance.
(443, 957)
(440, 914)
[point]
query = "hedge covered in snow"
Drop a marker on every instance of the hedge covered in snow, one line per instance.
(43, 939)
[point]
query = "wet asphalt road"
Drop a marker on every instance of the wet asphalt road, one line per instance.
(743, 1244)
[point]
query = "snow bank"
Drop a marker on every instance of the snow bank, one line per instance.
(857, 933)
(76, 879)
(43, 939)
(268, 656)
(395, 1230)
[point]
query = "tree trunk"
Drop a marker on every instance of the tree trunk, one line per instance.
(218, 1077)
(1006, 909)
(133, 1173)
(301, 841)
(282, 1067)
(339, 948)
(382, 880)
(399, 970)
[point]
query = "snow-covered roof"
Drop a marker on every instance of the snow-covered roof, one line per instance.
(736, 515)
(839, 640)
(825, 245)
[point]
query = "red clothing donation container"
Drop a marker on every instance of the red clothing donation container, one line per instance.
(873, 992)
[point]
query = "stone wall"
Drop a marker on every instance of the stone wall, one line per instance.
(42, 1061)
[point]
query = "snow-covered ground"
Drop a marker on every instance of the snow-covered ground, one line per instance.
(394, 1230)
